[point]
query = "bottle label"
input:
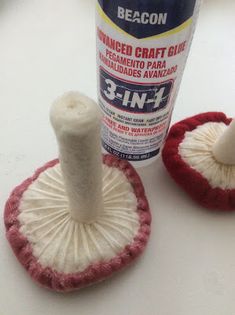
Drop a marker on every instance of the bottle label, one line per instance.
(142, 48)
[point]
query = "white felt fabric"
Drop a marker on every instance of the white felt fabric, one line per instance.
(76, 121)
(224, 148)
(196, 149)
(60, 242)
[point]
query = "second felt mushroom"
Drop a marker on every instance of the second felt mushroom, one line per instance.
(199, 154)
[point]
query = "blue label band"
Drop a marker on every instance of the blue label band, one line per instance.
(144, 18)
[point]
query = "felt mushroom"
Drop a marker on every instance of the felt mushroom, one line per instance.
(78, 219)
(199, 154)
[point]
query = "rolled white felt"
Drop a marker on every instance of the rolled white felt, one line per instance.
(224, 147)
(76, 122)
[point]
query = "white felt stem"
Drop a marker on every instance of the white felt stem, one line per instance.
(224, 147)
(76, 121)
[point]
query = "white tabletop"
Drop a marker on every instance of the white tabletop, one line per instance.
(48, 47)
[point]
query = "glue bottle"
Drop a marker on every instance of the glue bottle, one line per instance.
(142, 47)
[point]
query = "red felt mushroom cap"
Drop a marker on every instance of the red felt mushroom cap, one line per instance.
(198, 155)
(96, 271)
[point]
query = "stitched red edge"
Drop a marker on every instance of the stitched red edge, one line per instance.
(189, 179)
(95, 272)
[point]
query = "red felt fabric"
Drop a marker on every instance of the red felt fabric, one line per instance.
(95, 272)
(192, 182)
